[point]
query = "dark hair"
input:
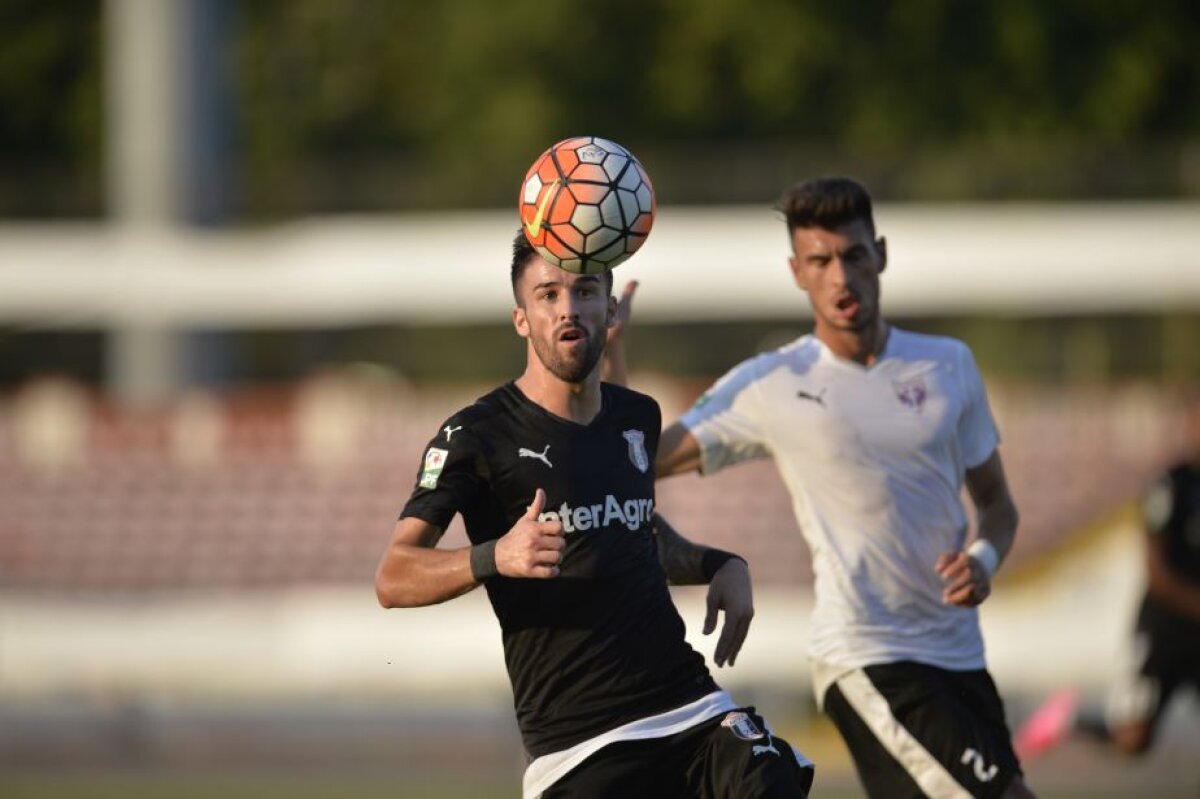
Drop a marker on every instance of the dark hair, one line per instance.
(523, 253)
(827, 202)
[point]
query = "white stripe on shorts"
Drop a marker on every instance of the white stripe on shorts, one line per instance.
(548, 769)
(872, 707)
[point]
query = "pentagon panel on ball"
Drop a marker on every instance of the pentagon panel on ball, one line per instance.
(586, 204)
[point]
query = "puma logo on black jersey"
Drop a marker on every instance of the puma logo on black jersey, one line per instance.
(451, 430)
(762, 750)
(541, 456)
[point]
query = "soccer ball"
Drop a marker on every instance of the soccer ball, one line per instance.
(586, 204)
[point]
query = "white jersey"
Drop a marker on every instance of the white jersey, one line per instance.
(874, 459)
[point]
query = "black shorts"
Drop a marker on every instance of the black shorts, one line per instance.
(920, 731)
(1164, 657)
(731, 756)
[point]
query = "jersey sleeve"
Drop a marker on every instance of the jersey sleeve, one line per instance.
(977, 433)
(1158, 506)
(450, 477)
(725, 420)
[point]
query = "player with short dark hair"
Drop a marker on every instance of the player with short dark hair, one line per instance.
(1164, 655)
(522, 253)
(553, 475)
(875, 430)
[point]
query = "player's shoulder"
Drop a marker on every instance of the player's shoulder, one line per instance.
(806, 348)
(1184, 468)
(1158, 503)
(622, 398)
(1182, 474)
(1172, 480)
(797, 355)
(473, 421)
(908, 343)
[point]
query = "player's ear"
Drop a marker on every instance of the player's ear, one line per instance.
(610, 318)
(520, 321)
(881, 246)
(797, 272)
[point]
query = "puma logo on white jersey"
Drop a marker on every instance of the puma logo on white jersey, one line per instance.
(818, 398)
(541, 456)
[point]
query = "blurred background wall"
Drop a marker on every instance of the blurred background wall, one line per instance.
(252, 252)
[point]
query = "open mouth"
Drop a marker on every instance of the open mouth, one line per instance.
(847, 304)
(573, 334)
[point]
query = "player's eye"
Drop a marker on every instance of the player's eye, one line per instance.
(856, 257)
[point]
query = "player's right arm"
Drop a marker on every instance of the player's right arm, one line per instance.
(413, 572)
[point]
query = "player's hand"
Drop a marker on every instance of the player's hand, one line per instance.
(730, 591)
(624, 312)
(531, 548)
(966, 582)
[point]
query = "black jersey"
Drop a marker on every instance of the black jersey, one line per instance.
(1172, 510)
(601, 644)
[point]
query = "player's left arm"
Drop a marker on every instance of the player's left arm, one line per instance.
(613, 368)
(727, 577)
(968, 573)
(678, 450)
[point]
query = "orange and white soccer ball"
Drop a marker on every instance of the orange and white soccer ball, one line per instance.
(586, 204)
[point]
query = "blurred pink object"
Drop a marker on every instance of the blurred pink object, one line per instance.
(1049, 725)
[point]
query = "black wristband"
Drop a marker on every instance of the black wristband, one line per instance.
(714, 559)
(483, 561)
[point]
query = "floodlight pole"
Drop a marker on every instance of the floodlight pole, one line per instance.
(167, 168)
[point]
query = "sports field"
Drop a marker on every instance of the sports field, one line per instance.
(1074, 771)
(330, 785)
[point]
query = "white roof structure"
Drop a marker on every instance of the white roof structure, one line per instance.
(698, 264)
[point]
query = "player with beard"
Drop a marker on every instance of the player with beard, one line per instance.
(552, 473)
(875, 430)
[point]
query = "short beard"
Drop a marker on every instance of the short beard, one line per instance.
(570, 370)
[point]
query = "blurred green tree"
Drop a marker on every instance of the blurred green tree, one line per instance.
(51, 122)
(930, 99)
(387, 104)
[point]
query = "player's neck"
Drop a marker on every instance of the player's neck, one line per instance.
(861, 346)
(578, 402)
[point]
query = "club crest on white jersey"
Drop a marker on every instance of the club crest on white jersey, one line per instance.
(637, 449)
(912, 393)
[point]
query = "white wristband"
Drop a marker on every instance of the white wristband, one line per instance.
(982, 550)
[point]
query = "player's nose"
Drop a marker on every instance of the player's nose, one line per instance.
(836, 272)
(572, 307)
